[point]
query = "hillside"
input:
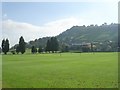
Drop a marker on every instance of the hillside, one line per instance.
(79, 34)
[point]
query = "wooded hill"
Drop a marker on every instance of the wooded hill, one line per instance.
(80, 34)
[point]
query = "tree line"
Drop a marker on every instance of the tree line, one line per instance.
(52, 45)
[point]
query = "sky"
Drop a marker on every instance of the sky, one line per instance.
(34, 20)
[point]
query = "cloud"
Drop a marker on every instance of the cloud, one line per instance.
(58, 26)
(13, 30)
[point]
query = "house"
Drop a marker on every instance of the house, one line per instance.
(12, 51)
(85, 47)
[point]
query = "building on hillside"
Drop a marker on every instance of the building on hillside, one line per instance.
(13, 51)
(84, 47)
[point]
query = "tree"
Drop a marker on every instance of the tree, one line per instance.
(0, 50)
(52, 44)
(22, 45)
(40, 49)
(48, 46)
(5, 46)
(33, 49)
(56, 44)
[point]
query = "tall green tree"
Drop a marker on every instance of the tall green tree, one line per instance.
(40, 49)
(48, 46)
(5, 46)
(33, 49)
(0, 50)
(52, 44)
(22, 45)
(56, 44)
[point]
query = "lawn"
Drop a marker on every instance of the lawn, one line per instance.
(68, 70)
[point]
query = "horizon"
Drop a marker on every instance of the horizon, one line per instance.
(41, 19)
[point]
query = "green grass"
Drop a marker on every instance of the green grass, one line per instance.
(70, 70)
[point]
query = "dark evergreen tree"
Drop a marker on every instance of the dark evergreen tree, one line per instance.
(6, 46)
(22, 45)
(52, 44)
(56, 44)
(40, 49)
(3, 45)
(0, 50)
(48, 46)
(33, 49)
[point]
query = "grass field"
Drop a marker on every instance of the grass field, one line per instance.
(70, 70)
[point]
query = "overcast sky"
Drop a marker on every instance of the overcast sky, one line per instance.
(39, 19)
